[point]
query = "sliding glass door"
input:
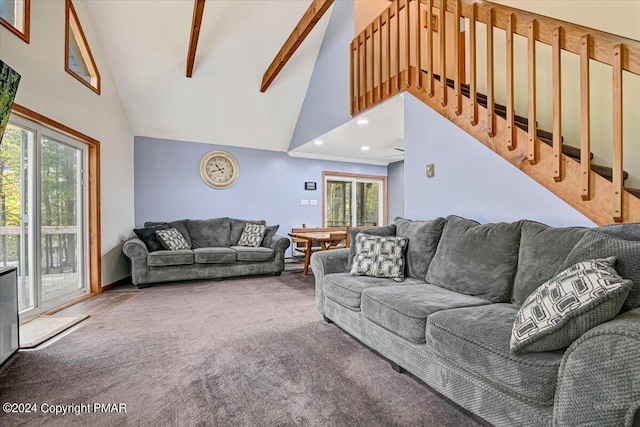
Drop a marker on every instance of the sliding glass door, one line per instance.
(61, 198)
(42, 211)
(353, 200)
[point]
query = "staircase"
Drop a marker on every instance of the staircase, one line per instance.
(395, 53)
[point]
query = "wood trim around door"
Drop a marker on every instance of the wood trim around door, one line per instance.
(93, 182)
(382, 178)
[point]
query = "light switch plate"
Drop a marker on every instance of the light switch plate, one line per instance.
(430, 170)
(304, 202)
(313, 202)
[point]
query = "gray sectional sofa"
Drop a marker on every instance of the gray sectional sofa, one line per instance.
(214, 252)
(450, 321)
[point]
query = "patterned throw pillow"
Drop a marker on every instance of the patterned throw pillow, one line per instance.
(252, 235)
(172, 239)
(568, 305)
(379, 256)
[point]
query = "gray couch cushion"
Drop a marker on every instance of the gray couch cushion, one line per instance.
(207, 233)
(268, 235)
(163, 258)
(404, 309)
(477, 340)
(543, 250)
(247, 253)
(388, 230)
(476, 259)
(595, 244)
(423, 242)
(237, 227)
(215, 255)
(628, 231)
(346, 290)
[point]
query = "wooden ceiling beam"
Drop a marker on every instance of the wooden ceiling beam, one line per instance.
(198, 8)
(297, 36)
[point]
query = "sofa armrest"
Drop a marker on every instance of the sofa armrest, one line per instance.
(327, 262)
(137, 252)
(280, 244)
(135, 249)
(599, 377)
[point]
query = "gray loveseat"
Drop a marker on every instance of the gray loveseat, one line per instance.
(449, 322)
(214, 253)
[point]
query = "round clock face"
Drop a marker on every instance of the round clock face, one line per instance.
(219, 169)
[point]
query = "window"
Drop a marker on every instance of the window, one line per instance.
(14, 15)
(78, 58)
(353, 200)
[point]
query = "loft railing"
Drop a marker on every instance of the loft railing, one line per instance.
(398, 52)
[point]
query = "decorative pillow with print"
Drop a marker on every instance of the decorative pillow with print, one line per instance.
(252, 235)
(569, 304)
(379, 256)
(172, 239)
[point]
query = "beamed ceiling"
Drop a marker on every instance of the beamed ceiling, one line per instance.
(146, 44)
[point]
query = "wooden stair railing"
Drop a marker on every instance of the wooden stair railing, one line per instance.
(395, 53)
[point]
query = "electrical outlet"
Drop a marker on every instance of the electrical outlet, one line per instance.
(430, 170)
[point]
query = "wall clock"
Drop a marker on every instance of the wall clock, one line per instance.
(219, 169)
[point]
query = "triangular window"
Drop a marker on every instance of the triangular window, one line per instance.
(14, 16)
(78, 58)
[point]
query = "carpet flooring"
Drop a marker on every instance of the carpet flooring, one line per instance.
(238, 352)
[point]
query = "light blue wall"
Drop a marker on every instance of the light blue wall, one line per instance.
(470, 180)
(326, 103)
(271, 184)
(395, 190)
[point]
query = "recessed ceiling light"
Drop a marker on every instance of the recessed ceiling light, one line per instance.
(362, 122)
(318, 142)
(365, 148)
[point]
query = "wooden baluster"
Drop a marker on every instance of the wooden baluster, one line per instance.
(472, 66)
(456, 58)
(511, 129)
(557, 104)
(443, 54)
(419, 79)
(618, 178)
(365, 72)
(430, 47)
(380, 58)
(585, 115)
(358, 73)
(352, 79)
(491, 117)
(371, 65)
(388, 52)
(534, 144)
(407, 47)
(398, 44)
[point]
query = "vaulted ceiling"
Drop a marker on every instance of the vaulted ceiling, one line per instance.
(146, 44)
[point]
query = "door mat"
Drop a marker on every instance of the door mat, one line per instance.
(44, 327)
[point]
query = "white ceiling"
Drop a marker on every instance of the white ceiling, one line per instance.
(383, 133)
(146, 42)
